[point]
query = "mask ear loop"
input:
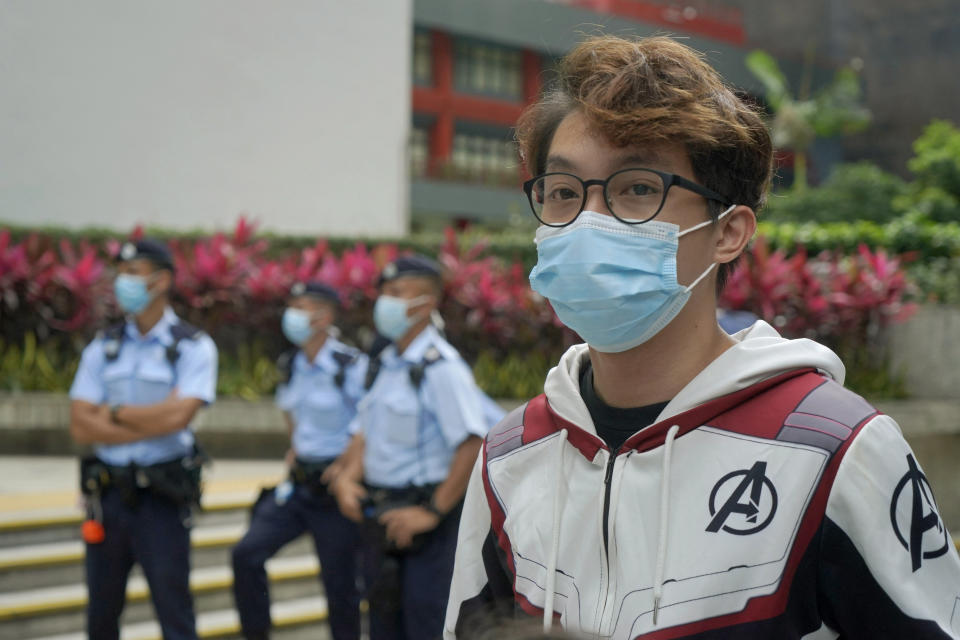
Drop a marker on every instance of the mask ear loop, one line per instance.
(412, 302)
(713, 264)
(152, 279)
(706, 222)
(701, 277)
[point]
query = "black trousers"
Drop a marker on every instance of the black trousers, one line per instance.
(337, 542)
(152, 534)
(414, 609)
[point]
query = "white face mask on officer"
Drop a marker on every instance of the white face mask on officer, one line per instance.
(390, 315)
(296, 325)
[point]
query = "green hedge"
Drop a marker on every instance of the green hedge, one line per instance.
(908, 234)
(250, 373)
(853, 192)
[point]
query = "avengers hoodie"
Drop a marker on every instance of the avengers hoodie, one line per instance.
(766, 501)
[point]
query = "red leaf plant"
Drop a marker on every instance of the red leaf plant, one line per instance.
(829, 298)
(83, 288)
(228, 284)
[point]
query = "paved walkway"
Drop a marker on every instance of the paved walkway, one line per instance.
(47, 485)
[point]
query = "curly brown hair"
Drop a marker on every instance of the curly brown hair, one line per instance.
(655, 91)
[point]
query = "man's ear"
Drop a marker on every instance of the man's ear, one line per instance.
(323, 317)
(734, 233)
(429, 303)
(164, 281)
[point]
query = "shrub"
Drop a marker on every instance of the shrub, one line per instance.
(235, 287)
(910, 234)
(937, 159)
(829, 298)
(842, 301)
(29, 366)
(937, 280)
(853, 192)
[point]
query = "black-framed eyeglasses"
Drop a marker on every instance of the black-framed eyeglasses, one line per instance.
(633, 196)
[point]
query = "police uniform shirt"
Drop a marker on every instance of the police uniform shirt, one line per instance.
(142, 374)
(321, 409)
(411, 435)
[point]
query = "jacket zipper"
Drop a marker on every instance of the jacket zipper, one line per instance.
(607, 482)
(607, 486)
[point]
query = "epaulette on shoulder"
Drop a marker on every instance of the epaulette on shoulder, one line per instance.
(185, 331)
(346, 353)
(343, 359)
(181, 331)
(112, 337)
(418, 371)
(285, 365)
(373, 370)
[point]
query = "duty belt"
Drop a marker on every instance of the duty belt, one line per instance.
(310, 474)
(379, 500)
(177, 480)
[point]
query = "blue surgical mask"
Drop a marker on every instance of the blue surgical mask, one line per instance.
(390, 315)
(614, 284)
(131, 292)
(296, 325)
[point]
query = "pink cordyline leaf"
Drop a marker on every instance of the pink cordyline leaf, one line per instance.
(243, 231)
(112, 247)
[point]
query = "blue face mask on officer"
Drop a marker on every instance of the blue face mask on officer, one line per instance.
(614, 284)
(390, 315)
(132, 292)
(296, 325)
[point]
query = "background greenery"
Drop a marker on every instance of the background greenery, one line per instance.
(917, 219)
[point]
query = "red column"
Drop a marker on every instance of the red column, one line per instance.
(531, 76)
(441, 136)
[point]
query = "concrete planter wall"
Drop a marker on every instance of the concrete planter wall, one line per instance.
(926, 349)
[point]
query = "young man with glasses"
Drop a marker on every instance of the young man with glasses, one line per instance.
(674, 481)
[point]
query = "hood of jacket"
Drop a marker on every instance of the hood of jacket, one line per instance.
(760, 353)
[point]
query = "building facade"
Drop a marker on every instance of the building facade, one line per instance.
(374, 118)
(477, 64)
(183, 114)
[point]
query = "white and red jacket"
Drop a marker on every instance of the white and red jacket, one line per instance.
(767, 501)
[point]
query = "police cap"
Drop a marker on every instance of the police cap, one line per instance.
(315, 289)
(412, 265)
(146, 249)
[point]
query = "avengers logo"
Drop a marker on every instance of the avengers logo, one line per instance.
(743, 502)
(913, 513)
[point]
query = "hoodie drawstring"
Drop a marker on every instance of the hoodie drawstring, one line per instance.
(664, 520)
(661, 539)
(555, 544)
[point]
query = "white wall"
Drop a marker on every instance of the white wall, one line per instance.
(185, 113)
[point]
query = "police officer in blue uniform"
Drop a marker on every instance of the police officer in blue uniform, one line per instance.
(324, 381)
(138, 387)
(416, 437)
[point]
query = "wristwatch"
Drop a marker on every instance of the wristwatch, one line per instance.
(113, 412)
(431, 506)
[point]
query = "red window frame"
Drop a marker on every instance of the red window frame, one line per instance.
(446, 106)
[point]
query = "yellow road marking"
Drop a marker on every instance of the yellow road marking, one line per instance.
(140, 593)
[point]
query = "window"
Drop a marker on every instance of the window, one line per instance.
(419, 152)
(467, 95)
(422, 58)
(489, 70)
(483, 159)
